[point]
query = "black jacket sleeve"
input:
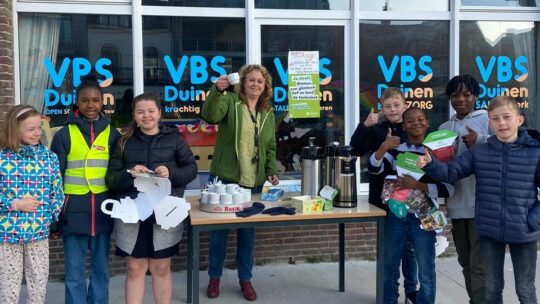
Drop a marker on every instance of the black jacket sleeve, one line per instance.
(361, 139)
(186, 168)
(118, 179)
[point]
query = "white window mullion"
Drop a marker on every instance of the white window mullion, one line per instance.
(138, 56)
(253, 39)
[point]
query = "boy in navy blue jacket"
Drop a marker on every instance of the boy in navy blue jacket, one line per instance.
(402, 227)
(507, 170)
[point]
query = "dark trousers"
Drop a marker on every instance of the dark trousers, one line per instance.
(470, 258)
(524, 263)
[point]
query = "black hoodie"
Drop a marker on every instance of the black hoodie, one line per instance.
(81, 214)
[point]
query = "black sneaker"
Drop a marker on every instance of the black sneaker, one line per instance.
(410, 298)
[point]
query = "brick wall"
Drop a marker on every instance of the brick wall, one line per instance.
(291, 244)
(6, 57)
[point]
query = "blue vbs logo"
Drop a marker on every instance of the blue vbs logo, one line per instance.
(503, 71)
(80, 67)
(407, 69)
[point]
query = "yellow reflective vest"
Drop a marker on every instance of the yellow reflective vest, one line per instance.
(86, 166)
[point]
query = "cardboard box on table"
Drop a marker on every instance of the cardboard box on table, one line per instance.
(307, 204)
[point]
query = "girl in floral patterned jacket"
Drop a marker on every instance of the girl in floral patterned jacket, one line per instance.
(31, 197)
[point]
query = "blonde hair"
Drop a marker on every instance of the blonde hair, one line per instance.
(10, 137)
(264, 100)
(392, 92)
(500, 101)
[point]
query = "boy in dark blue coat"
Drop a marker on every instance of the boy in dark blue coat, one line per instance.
(400, 228)
(507, 170)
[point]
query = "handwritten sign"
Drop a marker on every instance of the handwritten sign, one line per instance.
(304, 100)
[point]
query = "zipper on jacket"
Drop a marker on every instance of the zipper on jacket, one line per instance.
(503, 191)
(93, 198)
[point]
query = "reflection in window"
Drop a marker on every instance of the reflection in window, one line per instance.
(503, 57)
(196, 3)
(69, 47)
(111, 52)
(303, 4)
(293, 134)
(399, 5)
(410, 55)
(514, 3)
(152, 71)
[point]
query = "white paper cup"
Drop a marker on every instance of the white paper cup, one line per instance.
(233, 78)
(205, 197)
(226, 198)
(220, 189)
(213, 198)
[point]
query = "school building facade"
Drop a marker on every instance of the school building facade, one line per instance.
(176, 48)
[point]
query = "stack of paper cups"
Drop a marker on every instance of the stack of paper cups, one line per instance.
(238, 197)
(221, 189)
(231, 188)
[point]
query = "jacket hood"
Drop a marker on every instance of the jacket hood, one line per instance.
(75, 117)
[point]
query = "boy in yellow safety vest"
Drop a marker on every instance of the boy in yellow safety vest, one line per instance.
(83, 147)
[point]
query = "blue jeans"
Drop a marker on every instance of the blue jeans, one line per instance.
(524, 264)
(409, 268)
(245, 239)
(75, 247)
(397, 232)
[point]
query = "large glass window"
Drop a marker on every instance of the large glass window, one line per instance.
(57, 50)
(409, 5)
(196, 3)
(303, 4)
(503, 56)
(410, 55)
(293, 134)
(183, 56)
(507, 3)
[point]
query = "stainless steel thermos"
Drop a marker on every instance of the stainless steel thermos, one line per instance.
(329, 155)
(312, 168)
(345, 177)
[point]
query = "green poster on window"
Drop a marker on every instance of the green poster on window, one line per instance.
(304, 100)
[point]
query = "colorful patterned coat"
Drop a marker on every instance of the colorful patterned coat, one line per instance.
(34, 172)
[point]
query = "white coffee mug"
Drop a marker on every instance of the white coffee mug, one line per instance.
(226, 198)
(233, 78)
(238, 197)
(222, 188)
(231, 188)
(205, 197)
(213, 198)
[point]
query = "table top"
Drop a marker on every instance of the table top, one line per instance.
(198, 217)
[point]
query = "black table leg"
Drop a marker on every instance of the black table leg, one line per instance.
(196, 266)
(341, 228)
(189, 263)
(380, 260)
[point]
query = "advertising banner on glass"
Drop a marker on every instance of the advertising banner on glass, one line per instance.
(503, 59)
(304, 100)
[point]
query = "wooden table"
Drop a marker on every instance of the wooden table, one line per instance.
(204, 221)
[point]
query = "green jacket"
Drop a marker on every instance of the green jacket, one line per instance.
(226, 111)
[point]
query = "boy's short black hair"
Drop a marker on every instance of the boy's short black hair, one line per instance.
(462, 81)
(410, 110)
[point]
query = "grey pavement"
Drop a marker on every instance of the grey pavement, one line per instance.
(304, 283)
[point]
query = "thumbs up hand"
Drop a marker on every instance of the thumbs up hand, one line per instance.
(423, 160)
(391, 142)
(372, 119)
(470, 139)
